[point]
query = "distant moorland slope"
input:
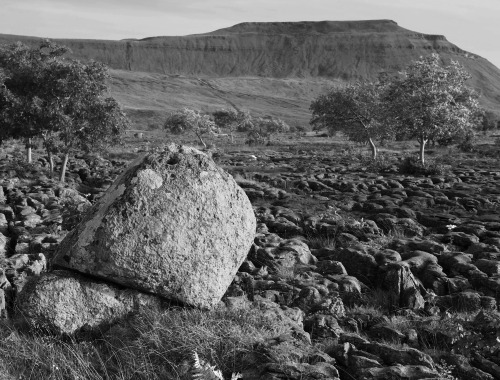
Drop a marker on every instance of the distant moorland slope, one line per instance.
(272, 68)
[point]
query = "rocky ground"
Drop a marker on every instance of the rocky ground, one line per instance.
(381, 275)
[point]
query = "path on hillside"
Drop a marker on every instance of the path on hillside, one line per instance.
(217, 92)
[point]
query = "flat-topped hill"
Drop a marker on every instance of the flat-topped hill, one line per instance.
(328, 50)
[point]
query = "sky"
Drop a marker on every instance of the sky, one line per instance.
(471, 25)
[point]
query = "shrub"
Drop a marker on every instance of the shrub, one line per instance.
(467, 143)
(255, 138)
(411, 165)
(382, 164)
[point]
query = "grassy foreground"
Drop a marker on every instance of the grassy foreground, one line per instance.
(150, 346)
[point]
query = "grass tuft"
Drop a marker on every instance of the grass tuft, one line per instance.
(148, 346)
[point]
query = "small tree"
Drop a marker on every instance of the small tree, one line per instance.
(432, 101)
(62, 101)
(353, 110)
(180, 121)
(25, 103)
(6, 98)
(233, 120)
(267, 126)
(81, 114)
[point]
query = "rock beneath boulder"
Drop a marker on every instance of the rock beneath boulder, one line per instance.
(173, 224)
(63, 303)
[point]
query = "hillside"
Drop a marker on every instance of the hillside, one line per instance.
(274, 67)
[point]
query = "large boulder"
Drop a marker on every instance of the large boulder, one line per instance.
(173, 224)
(64, 303)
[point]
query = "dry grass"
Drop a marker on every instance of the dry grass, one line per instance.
(149, 346)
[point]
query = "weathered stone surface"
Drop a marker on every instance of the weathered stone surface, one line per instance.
(486, 365)
(403, 287)
(394, 356)
(356, 262)
(173, 224)
(490, 267)
(402, 372)
(463, 301)
(4, 241)
(4, 225)
(331, 267)
(385, 333)
(300, 371)
(419, 260)
(463, 370)
(63, 303)
(285, 357)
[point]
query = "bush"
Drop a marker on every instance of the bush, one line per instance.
(256, 138)
(467, 143)
(411, 165)
(383, 164)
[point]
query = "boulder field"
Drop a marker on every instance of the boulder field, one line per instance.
(372, 271)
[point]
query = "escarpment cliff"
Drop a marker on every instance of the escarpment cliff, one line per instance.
(333, 49)
(330, 50)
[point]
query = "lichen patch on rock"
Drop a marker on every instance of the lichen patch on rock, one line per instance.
(148, 178)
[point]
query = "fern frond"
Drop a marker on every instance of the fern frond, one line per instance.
(202, 370)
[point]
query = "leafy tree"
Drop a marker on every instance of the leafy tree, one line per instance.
(268, 126)
(80, 113)
(432, 101)
(24, 100)
(186, 119)
(353, 110)
(5, 101)
(488, 120)
(233, 120)
(60, 100)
